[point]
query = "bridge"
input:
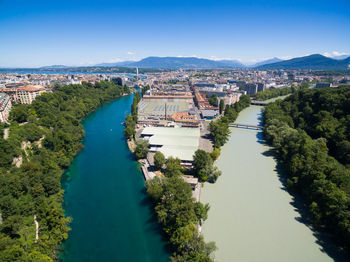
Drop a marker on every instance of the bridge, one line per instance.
(258, 103)
(237, 125)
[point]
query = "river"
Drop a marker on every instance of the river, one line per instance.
(105, 195)
(252, 216)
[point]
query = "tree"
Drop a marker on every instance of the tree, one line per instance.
(221, 106)
(215, 154)
(219, 131)
(173, 167)
(204, 168)
(20, 113)
(159, 160)
(155, 188)
(201, 160)
(129, 132)
(141, 149)
(213, 100)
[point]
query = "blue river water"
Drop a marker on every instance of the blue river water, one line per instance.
(105, 195)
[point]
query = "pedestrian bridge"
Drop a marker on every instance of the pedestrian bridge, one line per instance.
(258, 103)
(247, 126)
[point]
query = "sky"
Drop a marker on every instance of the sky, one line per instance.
(76, 32)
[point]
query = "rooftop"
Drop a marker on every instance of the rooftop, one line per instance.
(176, 142)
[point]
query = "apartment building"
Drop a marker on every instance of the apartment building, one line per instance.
(24, 95)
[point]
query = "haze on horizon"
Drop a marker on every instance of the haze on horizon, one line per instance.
(76, 32)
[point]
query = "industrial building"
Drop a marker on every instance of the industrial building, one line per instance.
(179, 143)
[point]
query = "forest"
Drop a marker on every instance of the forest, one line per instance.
(43, 139)
(179, 215)
(310, 131)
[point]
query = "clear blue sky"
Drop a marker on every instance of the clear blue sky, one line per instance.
(76, 32)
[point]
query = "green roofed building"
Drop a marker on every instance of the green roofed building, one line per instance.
(176, 142)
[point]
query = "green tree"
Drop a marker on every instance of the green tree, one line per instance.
(221, 106)
(219, 131)
(129, 132)
(173, 167)
(204, 168)
(213, 100)
(201, 160)
(159, 160)
(20, 113)
(215, 154)
(141, 149)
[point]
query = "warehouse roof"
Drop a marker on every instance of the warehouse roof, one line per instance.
(176, 142)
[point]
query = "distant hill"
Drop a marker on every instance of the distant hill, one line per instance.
(54, 66)
(267, 62)
(314, 62)
(116, 64)
(177, 63)
(181, 62)
(231, 63)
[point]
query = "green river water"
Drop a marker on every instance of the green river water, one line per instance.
(252, 217)
(105, 195)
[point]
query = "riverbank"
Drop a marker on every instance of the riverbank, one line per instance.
(252, 217)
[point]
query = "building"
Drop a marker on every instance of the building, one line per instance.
(179, 142)
(209, 114)
(5, 107)
(250, 88)
(24, 95)
(323, 85)
(232, 98)
(27, 94)
(202, 102)
(185, 119)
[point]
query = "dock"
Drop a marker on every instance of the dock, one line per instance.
(144, 166)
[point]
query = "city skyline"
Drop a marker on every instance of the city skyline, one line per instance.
(78, 33)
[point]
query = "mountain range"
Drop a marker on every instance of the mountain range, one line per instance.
(177, 63)
(311, 62)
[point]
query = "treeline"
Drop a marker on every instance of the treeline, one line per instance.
(219, 129)
(203, 164)
(310, 131)
(131, 120)
(141, 148)
(272, 93)
(179, 214)
(45, 135)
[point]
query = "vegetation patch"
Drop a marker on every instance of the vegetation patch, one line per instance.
(310, 131)
(31, 195)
